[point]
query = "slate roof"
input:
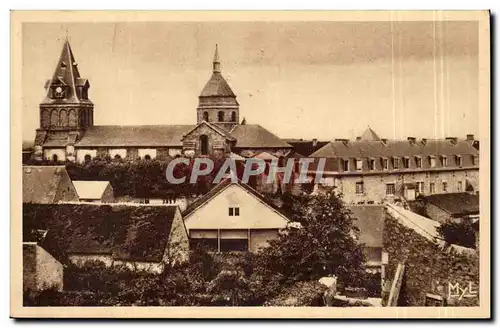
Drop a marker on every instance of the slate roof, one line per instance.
(255, 136)
(397, 148)
(134, 233)
(41, 183)
(370, 135)
(217, 87)
(370, 222)
(305, 147)
(90, 189)
(134, 135)
(455, 203)
(67, 74)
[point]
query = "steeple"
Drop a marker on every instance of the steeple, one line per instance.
(66, 103)
(216, 62)
(217, 102)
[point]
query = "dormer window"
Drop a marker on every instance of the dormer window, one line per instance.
(418, 162)
(406, 162)
(371, 163)
(395, 163)
(444, 161)
(458, 160)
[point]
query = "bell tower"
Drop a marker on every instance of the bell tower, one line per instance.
(217, 102)
(66, 111)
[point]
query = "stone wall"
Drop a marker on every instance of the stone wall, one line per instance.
(429, 268)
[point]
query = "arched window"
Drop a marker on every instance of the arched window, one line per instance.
(55, 158)
(45, 118)
(54, 118)
(118, 156)
(83, 118)
(220, 116)
(63, 118)
(87, 158)
(205, 116)
(233, 116)
(72, 118)
(204, 144)
(147, 157)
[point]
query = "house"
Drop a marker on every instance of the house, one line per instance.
(139, 237)
(370, 222)
(371, 169)
(233, 216)
(40, 269)
(452, 207)
(94, 191)
(47, 184)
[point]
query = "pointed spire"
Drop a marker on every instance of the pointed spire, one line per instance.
(216, 62)
(67, 76)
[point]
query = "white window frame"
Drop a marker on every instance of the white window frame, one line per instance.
(432, 161)
(387, 189)
(385, 163)
(359, 164)
(418, 162)
(362, 184)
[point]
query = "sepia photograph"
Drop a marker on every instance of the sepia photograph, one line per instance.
(250, 164)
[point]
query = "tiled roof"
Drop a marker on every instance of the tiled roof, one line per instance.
(255, 136)
(90, 189)
(370, 222)
(455, 203)
(41, 183)
(135, 233)
(134, 135)
(217, 87)
(67, 74)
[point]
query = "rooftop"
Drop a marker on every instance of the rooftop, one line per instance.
(462, 203)
(125, 232)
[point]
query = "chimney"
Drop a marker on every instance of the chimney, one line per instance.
(358, 138)
(384, 140)
(412, 140)
(424, 141)
(470, 137)
(452, 140)
(315, 143)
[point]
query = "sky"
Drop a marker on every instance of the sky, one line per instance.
(306, 80)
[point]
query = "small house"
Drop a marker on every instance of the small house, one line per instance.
(233, 217)
(94, 191)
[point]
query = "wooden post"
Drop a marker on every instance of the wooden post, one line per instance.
(396, 285)
(218, 240)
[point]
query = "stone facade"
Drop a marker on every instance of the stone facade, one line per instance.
(375, 187)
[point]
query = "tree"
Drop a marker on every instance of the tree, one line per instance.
(326, 244)
(460, 233)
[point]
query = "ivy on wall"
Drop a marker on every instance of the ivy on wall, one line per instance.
(429, 268)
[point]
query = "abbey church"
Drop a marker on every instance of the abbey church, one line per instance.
(67, 130)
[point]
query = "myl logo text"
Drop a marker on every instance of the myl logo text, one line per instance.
(461, 291)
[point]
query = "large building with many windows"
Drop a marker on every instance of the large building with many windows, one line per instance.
(371, 170)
